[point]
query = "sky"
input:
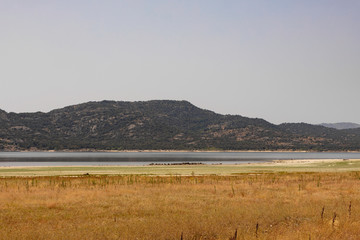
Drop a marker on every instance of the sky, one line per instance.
(284, 61)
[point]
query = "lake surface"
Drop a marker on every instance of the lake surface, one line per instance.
(8, 159)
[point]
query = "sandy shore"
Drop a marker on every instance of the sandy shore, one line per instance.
(292, 161)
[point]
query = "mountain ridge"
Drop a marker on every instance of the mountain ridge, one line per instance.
(341, 125)
(161, 125)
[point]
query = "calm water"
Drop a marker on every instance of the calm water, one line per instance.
(146, 158)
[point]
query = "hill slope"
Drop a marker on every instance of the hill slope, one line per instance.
(160, 125)
(341, 125)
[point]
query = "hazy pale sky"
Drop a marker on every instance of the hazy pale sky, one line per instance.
(281, 60)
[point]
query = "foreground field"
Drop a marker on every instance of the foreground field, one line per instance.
(254, 205)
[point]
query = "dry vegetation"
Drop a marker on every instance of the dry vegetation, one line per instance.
(258, 206)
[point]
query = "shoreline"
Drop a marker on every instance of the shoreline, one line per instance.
(273, 167)
(271, 163)
(177, 151)
(290, 162)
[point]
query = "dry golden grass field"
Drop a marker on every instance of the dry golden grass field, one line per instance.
(296, 205)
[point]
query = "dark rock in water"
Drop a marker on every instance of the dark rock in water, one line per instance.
(184, 163)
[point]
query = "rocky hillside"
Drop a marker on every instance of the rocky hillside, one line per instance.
(110, 125)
